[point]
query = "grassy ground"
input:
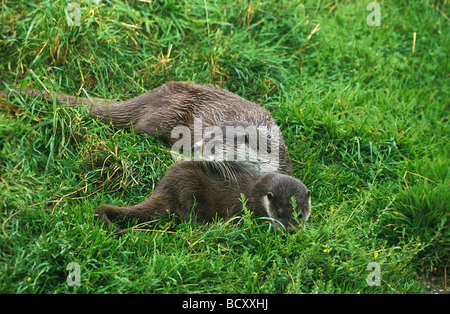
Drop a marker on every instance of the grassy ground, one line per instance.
(364, 111)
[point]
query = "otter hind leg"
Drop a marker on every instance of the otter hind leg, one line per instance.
(104, 213)
(142, 212)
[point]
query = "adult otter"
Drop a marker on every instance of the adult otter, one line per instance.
(194, 187)
(176, 105)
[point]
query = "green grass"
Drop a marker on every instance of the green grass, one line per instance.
(365, 121)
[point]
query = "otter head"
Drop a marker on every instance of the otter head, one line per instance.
(284, 199)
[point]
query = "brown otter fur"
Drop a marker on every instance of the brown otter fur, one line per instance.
(192, 187)
(174, 104)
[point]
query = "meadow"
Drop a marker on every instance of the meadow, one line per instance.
(364, 111)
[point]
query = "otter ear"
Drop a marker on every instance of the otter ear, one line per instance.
(270, 195)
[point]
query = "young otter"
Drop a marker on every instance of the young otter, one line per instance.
(183, 105)
(193, 187)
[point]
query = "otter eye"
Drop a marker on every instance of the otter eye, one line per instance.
(279, 215)
(270, 196)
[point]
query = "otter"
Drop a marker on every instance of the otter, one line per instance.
(193, 187)
(193, 108)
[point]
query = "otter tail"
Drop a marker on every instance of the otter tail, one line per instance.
(120, 113)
